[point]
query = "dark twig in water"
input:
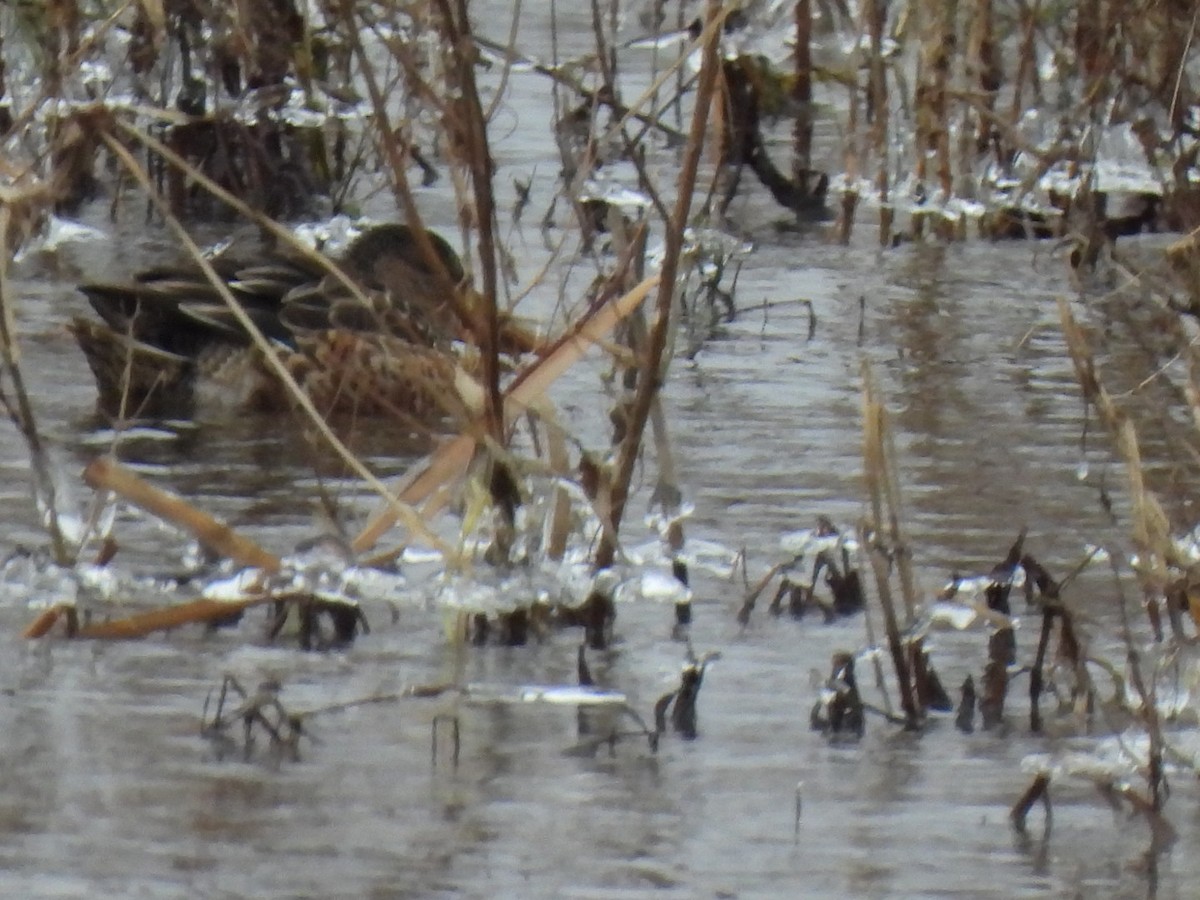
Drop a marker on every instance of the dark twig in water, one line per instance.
(995, 678)
(1051, 608)
(583, 672)
(752, 596)
(1039, 789)
(840, 712)
(344, 619)
(261, 710)
(455, 737)
(682, 701)
(964, 718)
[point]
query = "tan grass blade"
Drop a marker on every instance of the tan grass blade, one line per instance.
(107, 474)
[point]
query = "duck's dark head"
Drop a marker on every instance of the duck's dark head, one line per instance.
(378, 249)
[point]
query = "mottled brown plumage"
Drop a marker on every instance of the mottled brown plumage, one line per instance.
(169, 346)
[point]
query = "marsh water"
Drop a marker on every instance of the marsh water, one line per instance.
(110, 790)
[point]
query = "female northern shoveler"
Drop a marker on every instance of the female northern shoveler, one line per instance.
(170, 346)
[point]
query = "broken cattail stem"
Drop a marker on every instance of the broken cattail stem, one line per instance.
(195, 612)
(931, 694)
(751, 598)
(883, 486)
(964, 717)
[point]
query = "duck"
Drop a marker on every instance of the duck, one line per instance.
(167, 346)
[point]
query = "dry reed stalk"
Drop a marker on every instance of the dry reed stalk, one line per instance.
(473, 124)
(194, 612)
(19, 406)
(1191, 388)
(1151, 532)
(633, 249)
(558, 526)
(510, 58)
(886, 481)
(868, 623)
(606, 49)
(877, 114)
(877, 472)
(650, 368)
